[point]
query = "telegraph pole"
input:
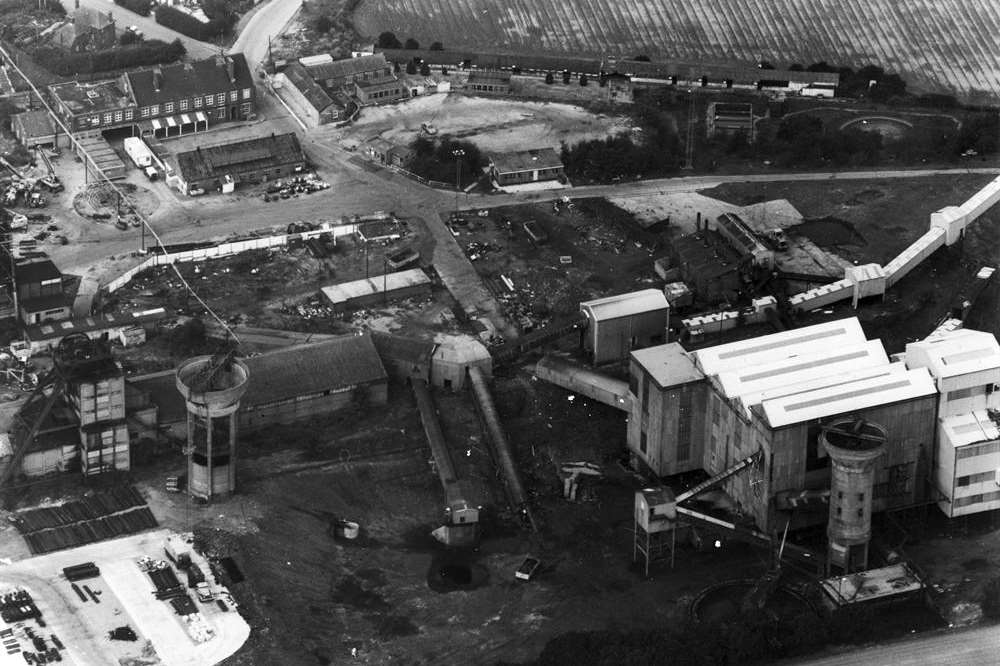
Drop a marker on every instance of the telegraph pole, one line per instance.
(459, 154)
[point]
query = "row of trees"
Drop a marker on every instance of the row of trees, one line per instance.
(150, 52)
(621, 157)
(388, 40)
(436, 160)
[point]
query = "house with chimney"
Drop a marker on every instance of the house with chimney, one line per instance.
(87, 30)
(162, 101)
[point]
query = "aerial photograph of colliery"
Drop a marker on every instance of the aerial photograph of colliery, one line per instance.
(466, 332)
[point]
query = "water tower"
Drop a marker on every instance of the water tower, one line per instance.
(212, 387)
(854, 447)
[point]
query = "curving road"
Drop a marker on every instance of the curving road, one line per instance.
(267, 22)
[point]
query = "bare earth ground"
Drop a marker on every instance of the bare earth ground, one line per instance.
(874, 221)
(492, 124)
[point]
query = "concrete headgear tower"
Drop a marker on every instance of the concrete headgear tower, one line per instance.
(854, 447)
(212, 387)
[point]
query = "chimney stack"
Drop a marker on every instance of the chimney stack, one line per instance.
(231, 70)
(157, 78)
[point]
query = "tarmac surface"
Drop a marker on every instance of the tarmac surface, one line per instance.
(126, 597)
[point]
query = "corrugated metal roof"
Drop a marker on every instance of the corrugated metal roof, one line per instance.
(306, 369)
(668, 365)
(624, 305)
(749, 382)
(809, 339)
(955, 353)
(345, 291)
(330, 365)
(348, 67)
(239, 156)
(850, 397)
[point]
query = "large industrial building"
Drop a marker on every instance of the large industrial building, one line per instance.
(774, 396)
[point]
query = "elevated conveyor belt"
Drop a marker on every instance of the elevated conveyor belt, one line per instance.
(512, 350)
(502, 453)
(585, 381)
(432, 429)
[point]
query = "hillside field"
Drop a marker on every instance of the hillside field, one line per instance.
(936, 45)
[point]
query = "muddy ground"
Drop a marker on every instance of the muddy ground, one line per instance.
(492, 124)
(873, 221)
(592, 249)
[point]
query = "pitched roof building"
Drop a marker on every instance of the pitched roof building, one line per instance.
(253, 160)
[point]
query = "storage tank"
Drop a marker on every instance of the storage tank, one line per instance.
(854, 447)
(212, 387)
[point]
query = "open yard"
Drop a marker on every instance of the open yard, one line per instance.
(592, 249)
(492, 124)
(936, 45)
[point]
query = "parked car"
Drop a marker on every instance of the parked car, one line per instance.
(527, 569)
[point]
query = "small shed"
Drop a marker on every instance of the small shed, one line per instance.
(34, 128)
(618, 324)
(404, 358)
(454, 355)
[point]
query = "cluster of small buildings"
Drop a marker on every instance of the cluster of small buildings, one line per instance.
(490, 72)
(101, 420)
(774, 395)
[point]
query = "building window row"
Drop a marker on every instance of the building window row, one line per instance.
(976, 450)
(969, 479)
(977, 499)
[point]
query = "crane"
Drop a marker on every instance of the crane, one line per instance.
(50, 180)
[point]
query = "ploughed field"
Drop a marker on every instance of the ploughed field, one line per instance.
(936, 45)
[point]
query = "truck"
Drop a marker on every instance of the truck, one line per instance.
(17, 221)
(178, 549)
(142, 157)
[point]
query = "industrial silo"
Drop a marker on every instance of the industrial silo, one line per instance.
(854, 447)
(212, 387)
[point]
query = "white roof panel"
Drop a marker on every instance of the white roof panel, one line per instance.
(955, 353)
(969, 428)
(769, 348)
(848, 397)
(623, 305)
(345, 291)
(749, 382)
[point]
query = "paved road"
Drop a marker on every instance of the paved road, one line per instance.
(694, 183)
(268, 21)
(971, 647)
(196, 50)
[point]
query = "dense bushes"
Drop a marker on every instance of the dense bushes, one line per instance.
(435, 161)
(147, 53)
(141, 7)
(620, 157)
(188, 25)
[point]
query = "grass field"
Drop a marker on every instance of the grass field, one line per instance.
(937, 45)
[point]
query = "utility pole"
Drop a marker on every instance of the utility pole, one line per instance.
(459, 154)
(689, 148)
(385, 280)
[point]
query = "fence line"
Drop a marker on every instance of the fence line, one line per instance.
(224, 250)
